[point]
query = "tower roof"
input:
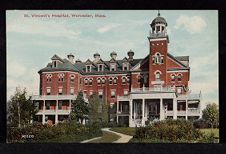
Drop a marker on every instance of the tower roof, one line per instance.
(158, 19)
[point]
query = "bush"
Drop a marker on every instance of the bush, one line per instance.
(200, 123)
(169, 130)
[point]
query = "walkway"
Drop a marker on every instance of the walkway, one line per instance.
(124, 138)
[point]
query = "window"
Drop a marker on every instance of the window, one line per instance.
(90, 82)
(158, 29)
(88, 68)
(123, 80)
(157, 58)
(113, 67)
(61, 77)
(100, 93)
(110, 81)
(54, 64)
(48, 77)
(72, 91)
(173, 77)
(100, 67)
(103, 80)
(157, 76)
(60, 91)
(113, 94)
(126, 92)
(48, 106)
(48, 91)
(72, 78)
(179, 77)
(139, 78)
(86, 82)
(85, 94)
(91, 93)
(179, 90)
(60, 105)
(128, 79)
(115, 81)
(98, 81)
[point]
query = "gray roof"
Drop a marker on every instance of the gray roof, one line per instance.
(158, 20)
(182, 58)
(81, 66)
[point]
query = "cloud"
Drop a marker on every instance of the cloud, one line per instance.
(19, 75)
(194, 24)
(107, 28)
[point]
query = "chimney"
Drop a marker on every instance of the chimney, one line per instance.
(96, 57)
(113, 55)
(130, 53)
(71, 58)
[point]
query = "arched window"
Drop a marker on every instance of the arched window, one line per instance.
(158, 58)
(86, 82)
(123, 80)
(157, 76)
(103, 80)
(61, 77)
(90, 82)
(110, 81)
(72, 78)
(173, 77)
(179, 77)
(115, 80)
(98, 81)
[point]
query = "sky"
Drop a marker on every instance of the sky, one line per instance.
(34, 36)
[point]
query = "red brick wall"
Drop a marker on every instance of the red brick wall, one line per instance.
(161, 47)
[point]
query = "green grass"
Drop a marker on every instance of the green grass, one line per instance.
(106, 138)
(124, 130)
(209, 130)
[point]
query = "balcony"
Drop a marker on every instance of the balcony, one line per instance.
(194, 112)
(154, 35)
(150, 89)
(53, 97)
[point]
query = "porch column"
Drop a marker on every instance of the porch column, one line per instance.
(134, 110)
(43, 119)
(174, 108)
(43, 115)
(161, 110)
(142, 122)
(186, 109)
(70, 105)
(56, 115)
(130, 112)
(117, 104)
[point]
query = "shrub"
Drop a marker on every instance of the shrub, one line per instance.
(169, 130)
(200, 123)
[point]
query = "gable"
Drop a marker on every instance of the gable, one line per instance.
(173, 63)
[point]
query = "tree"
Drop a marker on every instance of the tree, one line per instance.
(211, 114)
(21, 110)
(98, 109)
(79, 108)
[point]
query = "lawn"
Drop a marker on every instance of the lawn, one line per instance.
(106, 138)
(209, 130)
(125, 130)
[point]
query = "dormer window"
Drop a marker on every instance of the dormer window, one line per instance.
(125, 66)
(88, 68)
(112, 67)
(100, 67)
(54, 64)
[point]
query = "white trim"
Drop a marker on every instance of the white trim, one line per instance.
(59, 72)
(159, 39)
(177, 71)
(157, 71)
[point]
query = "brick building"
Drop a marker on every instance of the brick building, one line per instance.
(154, 87)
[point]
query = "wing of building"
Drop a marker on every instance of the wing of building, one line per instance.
(153, 88)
